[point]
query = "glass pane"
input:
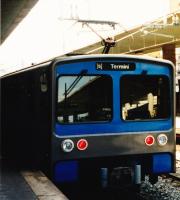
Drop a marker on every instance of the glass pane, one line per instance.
(145, 97)
(84, 99)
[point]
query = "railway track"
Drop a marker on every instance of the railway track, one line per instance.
(174, 176)
(167, 188)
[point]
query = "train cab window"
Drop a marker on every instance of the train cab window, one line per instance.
(145, 97)
(84, 99)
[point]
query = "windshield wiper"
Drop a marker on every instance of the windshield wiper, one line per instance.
(75, 82)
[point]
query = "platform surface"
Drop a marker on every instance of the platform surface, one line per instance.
(16, 184)
(12, 184)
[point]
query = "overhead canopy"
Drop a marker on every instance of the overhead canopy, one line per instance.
(143, 39)
(12, 13)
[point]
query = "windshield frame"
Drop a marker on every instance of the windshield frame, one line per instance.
(83, 75)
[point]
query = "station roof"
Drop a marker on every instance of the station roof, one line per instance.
(143, 39)
(12, 13)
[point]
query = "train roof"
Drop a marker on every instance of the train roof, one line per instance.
(123, 56)
(66, 58)
(33, 66)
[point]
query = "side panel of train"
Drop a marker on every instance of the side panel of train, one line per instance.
(110, 113)
(26, 117)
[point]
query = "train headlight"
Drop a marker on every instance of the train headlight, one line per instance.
(162, 139)
(149, 140)
(67, 145)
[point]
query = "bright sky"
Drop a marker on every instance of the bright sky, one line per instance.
(44, 33)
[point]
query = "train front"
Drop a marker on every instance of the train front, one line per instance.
(112, 112)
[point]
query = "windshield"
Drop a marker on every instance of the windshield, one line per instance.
(84, 98)
(145, 97)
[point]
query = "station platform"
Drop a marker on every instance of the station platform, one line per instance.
(26, 185)
(12, 184)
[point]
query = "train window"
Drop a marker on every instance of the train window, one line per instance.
(145, 97)
(84, 98)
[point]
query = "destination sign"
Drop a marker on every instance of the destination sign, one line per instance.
(115, 66)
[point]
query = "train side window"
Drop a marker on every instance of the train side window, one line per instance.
(84, 99)
(145, 97)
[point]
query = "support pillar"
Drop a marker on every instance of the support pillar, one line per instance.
(169, 52)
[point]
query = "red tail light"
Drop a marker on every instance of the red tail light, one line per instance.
(82, 144)
(149, 140)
